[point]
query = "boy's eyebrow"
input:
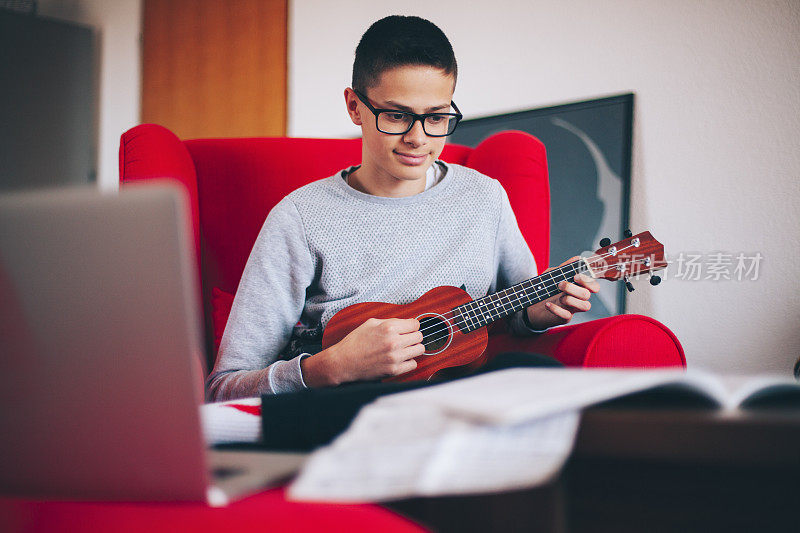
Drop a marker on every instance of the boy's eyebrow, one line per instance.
(402, 107)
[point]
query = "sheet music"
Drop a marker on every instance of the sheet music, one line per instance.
(520, 394)
(392, 452)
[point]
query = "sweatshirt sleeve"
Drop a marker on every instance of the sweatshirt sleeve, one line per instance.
(267, 305)
(514, 261)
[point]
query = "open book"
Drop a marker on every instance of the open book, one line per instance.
(499, 431)
(520, 394)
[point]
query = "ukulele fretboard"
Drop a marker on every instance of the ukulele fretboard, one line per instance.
(483, 311)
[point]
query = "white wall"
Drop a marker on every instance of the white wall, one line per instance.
(716, 162)
(118, 23)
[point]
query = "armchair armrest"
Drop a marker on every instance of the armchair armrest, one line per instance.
(617, 341)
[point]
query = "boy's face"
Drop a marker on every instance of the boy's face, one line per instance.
(406, 157)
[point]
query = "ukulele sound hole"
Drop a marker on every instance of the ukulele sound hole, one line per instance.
(435, 333)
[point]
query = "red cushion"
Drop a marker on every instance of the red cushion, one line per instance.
(267, 511)
(455, 153)
(240, 180)
(221, 303)
(519, 161)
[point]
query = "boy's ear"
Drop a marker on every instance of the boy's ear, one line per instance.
(351, 100)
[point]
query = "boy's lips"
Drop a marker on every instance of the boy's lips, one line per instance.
(411, 159)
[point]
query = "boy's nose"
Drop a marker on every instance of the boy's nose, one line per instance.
(416, 135)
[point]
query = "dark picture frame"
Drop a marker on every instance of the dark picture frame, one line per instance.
(589, 147)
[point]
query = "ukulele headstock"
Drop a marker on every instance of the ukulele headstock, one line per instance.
(638, 254)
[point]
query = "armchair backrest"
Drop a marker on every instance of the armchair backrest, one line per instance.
(234, 183)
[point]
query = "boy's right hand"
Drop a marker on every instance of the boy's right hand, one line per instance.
(378, 348)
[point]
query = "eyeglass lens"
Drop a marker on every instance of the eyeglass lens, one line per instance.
(389, 122)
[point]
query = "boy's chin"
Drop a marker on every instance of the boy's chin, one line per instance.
(412, 173)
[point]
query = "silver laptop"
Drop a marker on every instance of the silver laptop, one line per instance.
(100, 348)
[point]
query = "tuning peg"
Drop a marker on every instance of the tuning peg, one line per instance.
(655, 280)
(628, 233)
(605, 241)
(628, 284)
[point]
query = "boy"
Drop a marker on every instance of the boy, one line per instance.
(389, 230)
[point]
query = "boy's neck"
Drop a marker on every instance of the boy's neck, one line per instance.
(378, 183)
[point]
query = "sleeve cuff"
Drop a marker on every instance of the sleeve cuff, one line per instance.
(287, 376)
(526, 322)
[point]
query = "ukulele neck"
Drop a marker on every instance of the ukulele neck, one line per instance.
(483, 311)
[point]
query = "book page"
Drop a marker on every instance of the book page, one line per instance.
(392, 453)
(740, 390)
(520, 394)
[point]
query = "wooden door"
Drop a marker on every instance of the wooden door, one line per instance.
(215, 68)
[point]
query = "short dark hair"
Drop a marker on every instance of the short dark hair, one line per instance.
(396, 41)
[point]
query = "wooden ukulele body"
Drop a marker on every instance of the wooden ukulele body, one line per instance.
(446, 345)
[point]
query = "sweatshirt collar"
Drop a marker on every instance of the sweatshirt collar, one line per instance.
(406, 200)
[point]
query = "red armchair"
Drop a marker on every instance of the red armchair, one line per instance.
(233, 184)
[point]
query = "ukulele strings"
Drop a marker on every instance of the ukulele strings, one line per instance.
(438, 329)
(445, 331)
(591, 260)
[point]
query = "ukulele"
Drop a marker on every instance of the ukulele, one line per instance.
(453, 325)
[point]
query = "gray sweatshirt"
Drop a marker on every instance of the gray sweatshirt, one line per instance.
(326, 246)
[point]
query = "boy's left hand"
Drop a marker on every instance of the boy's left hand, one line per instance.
(559, 309)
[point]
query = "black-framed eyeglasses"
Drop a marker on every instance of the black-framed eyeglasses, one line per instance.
(396, 122)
